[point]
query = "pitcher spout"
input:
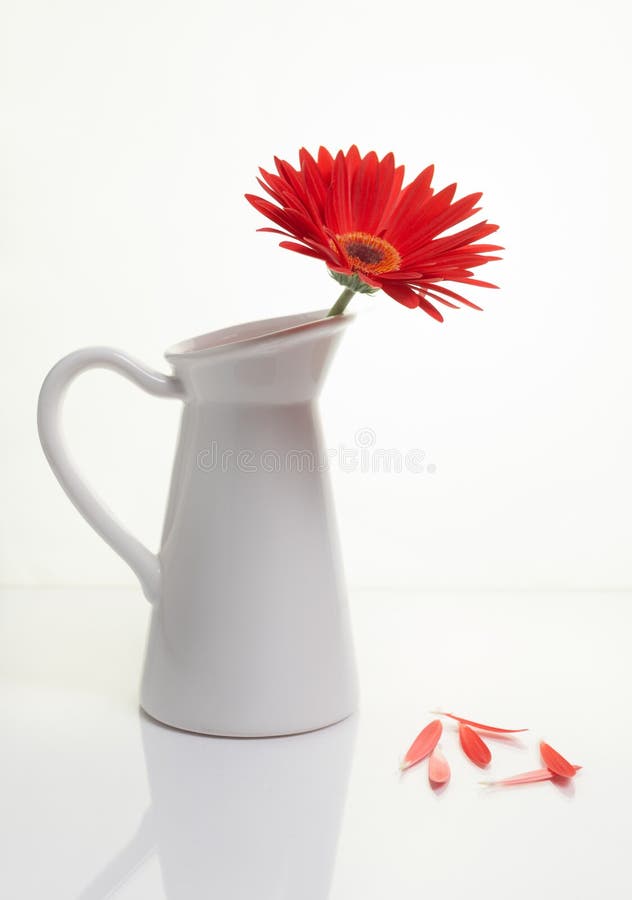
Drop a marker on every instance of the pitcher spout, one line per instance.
(280, 360)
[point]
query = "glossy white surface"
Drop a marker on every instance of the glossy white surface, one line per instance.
(101, 802)
(241, 650)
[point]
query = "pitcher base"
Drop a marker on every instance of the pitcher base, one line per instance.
(243, 734)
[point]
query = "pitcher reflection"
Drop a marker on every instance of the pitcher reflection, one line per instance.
(239, 818)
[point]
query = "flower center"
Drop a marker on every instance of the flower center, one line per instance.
(370, 254)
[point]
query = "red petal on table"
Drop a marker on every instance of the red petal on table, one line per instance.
(525, 778)
(556, 762)
(438, 768)
(474, 746)
(490, 728)
(423, 745)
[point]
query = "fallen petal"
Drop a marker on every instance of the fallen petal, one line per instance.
(438, 768)
(525, 778)
(474, 746)
(490, 728)
(423, 745)
(556, 762)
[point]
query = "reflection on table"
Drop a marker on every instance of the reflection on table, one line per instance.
(238, 818)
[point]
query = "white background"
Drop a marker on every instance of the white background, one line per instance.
(129, 133)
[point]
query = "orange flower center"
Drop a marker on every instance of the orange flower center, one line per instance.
(367, 253)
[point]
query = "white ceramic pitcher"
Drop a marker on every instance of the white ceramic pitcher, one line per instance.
(250, 632)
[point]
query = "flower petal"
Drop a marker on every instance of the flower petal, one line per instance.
(325, 250)
(439, 218)
(430, 309)
(439, 299)
(438, 768)
(275, 194)
(522, 778)
(473, 281)
(393, 198)
(301, 248)
(455, 296)
(556, 762)
(276, 231)
(410, 202)
(338, 208)
(352, 160)
(399, 275)
(525, 778)
(403, 294)
(478, 725)
(423, 745)
(297, 190)
(435, 248)
(314, 181)
(363, 190)
(291, 219)
(474, 746)
(325, 164)
(372, 282)
(383, 179)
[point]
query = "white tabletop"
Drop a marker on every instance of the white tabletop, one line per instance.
(99, 801)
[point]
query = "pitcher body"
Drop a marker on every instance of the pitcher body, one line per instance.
(249, 632)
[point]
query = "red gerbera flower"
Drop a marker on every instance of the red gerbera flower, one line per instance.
(352, 213)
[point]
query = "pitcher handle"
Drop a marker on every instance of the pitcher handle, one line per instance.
(143, 563)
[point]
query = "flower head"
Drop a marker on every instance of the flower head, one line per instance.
(352, 213)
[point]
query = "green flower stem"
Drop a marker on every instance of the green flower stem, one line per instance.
(341, 303)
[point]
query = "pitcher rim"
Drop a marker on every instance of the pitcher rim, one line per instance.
(225, 338)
